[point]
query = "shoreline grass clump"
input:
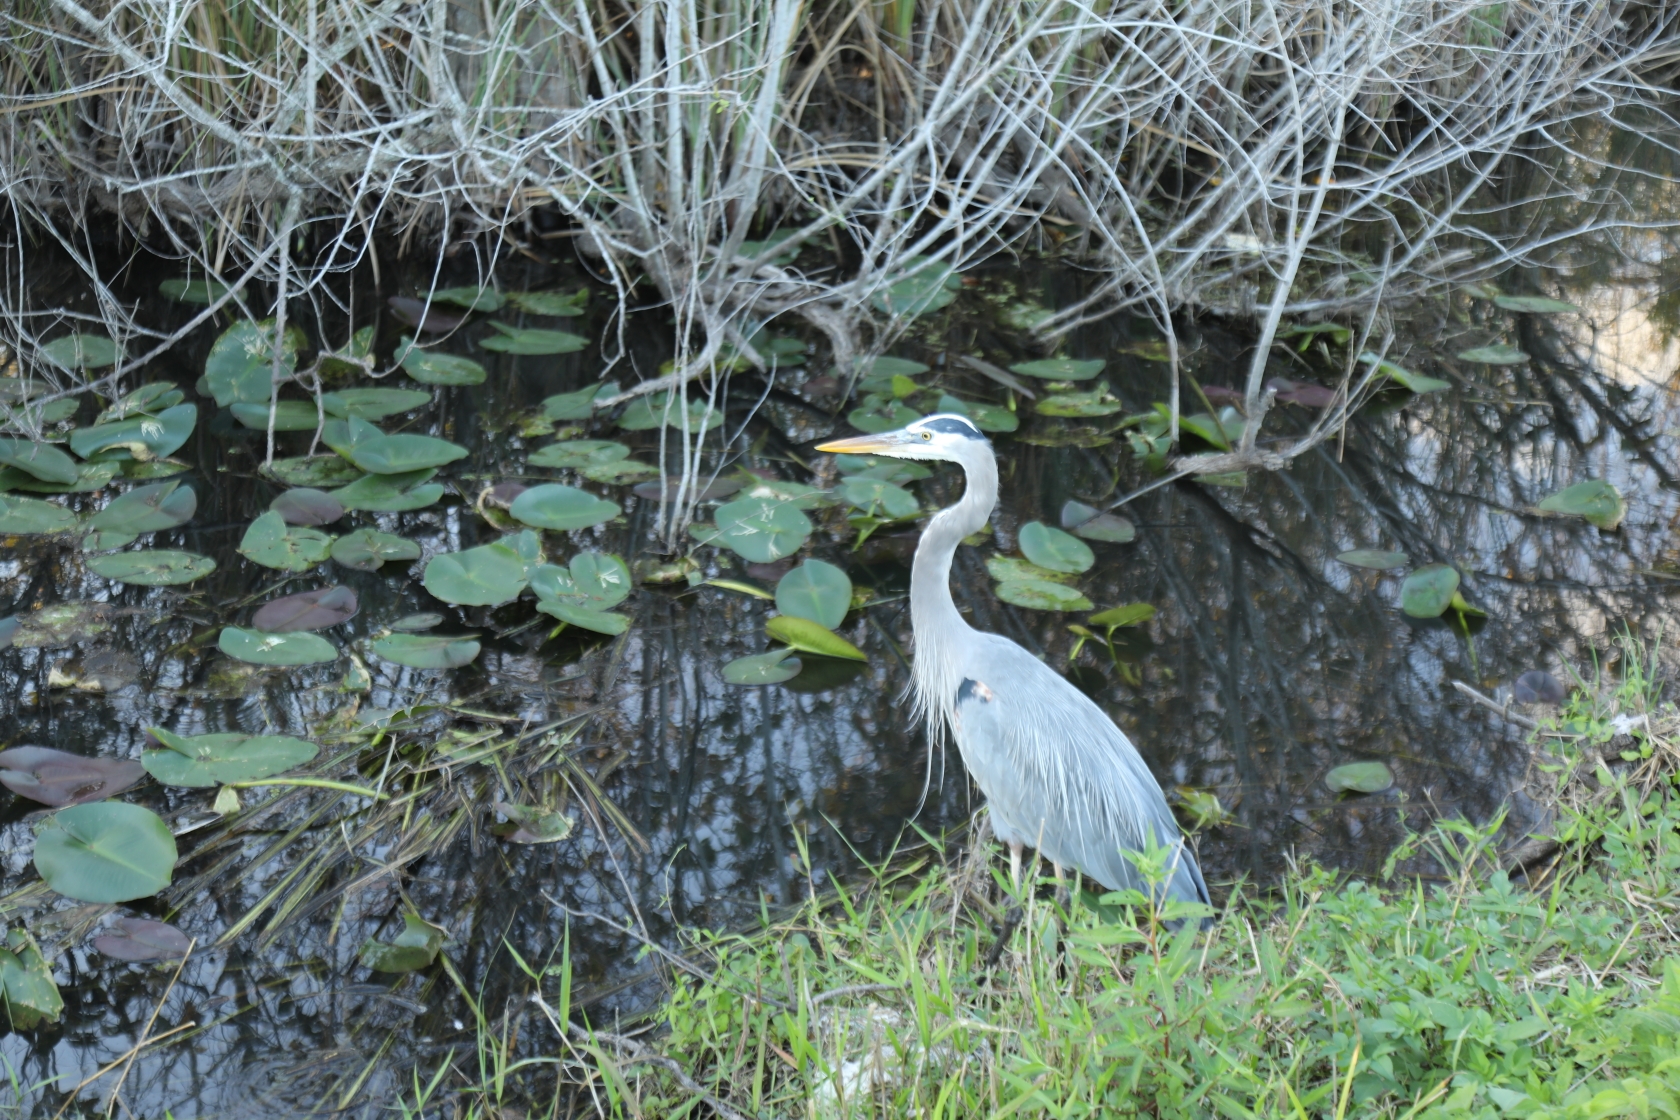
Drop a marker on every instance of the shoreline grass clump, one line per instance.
(1468, 990)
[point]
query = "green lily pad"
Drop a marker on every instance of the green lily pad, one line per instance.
(42, 460)
(391, 493)
(561, 304)
(305, 506)
(1428, 591)
(485, 576)
(81, 351)
(473, 299)
(200, 761)
(1061, 369)
(882, 415)
(292, 548)
(313, 470)
(137, 470)
(138, 437)
(815, 590)
(149, 399)
(297, 648)
(762, 530)
(625, 472)
(810, 637)
(289, 416)
(1405, 378)
(26, 983)
(1360, 777)
(880, 466)
(595, 580)
(1597, 501)
(514, 340)
(934, 284)
(1097, 402)
(532, 824)
(398, 454)
(201, 292)
(1127, 614)
(426, 651)
(1042, 595)
(762, 668)
(430, 367)
(156, 567)
(800, 495)
(146, 509)
(1376, 559)
(1498, 354)
(579, 453)
(876, 495)
(1095, 525)
(33, 517)
(106, 851)
(579, 405)
(986, 417)
(373, 404)
(1011, 569)
(1539, 305)
(413, 949)
(556, 506)
(240, 368)
(664, 410)
(89, 478)
(602, 622)
(366, 550)
(1054, 549)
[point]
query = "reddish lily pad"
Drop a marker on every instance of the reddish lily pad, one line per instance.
(307, 610)
(142, 939)
(58, 778)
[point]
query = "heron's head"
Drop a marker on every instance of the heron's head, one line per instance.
(944, 436)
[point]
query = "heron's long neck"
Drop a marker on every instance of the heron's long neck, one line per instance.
(933, 616)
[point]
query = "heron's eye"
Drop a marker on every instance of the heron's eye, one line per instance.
(927, 435)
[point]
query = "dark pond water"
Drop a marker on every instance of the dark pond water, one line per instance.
(1267, 664)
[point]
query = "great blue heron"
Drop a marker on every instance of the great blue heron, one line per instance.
(1057, 773)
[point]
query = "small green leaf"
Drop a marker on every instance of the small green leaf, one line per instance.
(1042, 595)
(762, 668)
(556, 506)
(1406, 379)
(1598, 501)
(876, 495)
(471, 298)
(138, 437)
(147, 509)
(1428, 591)
(597, 581)
(430, 367)
(1007, 569)
(391, 493)
(41, 460)
(532, 824)
(257, 648)
(622, 473)
(762, 530)
(986, 417)
(241, 367)
(1054, 549)
(106, 851)
(1360, 777)
(1128, 614)
(1374, 558)
(561, 304)
(579, 405)
(366, 550)
(82, 351)
(291, 548)
(26, 983)
(488, 575)
(1061, 369)
(33, 517)
(664, 410)
(201, 761)
(815, 590)
(1498, 354)
(157, 567)
(929, 286)
(402, 453)
(1539, 305)
(413, 949)
(289, 416)
(579, 453)
(426, 651)
(1109, 527)
(373, 404)
(602, 622)
(1098, 402)
(313, 470)
(201, 292)
(529, 341)
(811, 637)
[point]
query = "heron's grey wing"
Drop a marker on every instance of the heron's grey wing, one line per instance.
(1058, 772)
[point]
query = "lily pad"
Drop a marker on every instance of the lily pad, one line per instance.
(579, 453)
(289, 416)
(1599, 502)
(1061, 369)
(149, 399)
(291, 548)
(1539, 305)
(201, 292)
(1054, 549)
(108, 851)
(1376, 559)
(555, 506)
(561, 304)
(430, 367)
(421, 620)
(473, 299)
(622, 473)
(513, 340)
(986, 417)
(665, 410)
(762, 529)
(426, 651)
(1405, 378)
(41, 460)
(1360, 777)
(367, 550)
(313, 470)
(146, 509)
(532, 824)
(240, 368)
(932, 285)
(89, 478)
(1498, 354)
(1428, 591)
(58, 778)
(81, 351)
(579, 405)
(762, 668)
(304, 506)
(594, 580)
(413, 949)
(142, 939)
(875, 495)
(138, 437)
(307, 610)
(257, 648)
(1095, 525)
(62, 624)
(200, 761)
(155, 567)
(601, 622)
(402, 453)
(811, 637)
(391, 493)
(1127, 614)
(815, 590)
(882, 415)
(33, 517)
(373, 404)
(26, 983)
(1008, 569)
(485, 576)
(1042, 595)
(1098, 402)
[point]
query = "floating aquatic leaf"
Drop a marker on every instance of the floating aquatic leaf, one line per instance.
(931, 285)
(622, 473)
(811, 637)
(485, 576)
(531, 824)
(307, 610)
(58, 778)
(1098, 402)
(1054, 549)
(423, 317)
(1008, 569)
(142, 939)
(108, 851)
(373, 404)
(602, 622)
(303, 506)
(202, 292)
(579, 453)
(1540, 305)
(1061, 369)
(81, 351)
(432, 368)
(579, 405)
(313, 470)
(1094, 525)
(762, 529)
(26, 983)
(875, 495)
(815, 590)
(473, 299)
(401, 453)
(762, 668)
(1127, 614)
(562, 304)
(89, 477)
(137, 470)
(595, 580)
(1416, 382)
(41, 460)
(1067, 435)
(986, 417)
(880, 466)
(241, 366)
(666, 410)
(1359, 777)
(156, 567)
(366, 550)
(257, 648)
(200, 761)
(289, 416)
(1498, 354)
(882, 415)
(138, 437)
(1042, 595)
(555, 506)
(147, 509)
(1533, 687)
(512, 340)
(413, 949)
(1429, 590)
(32, 516)
(1374, 558)
(1598, 501)
(149, 399)
(421, 620)
(272, 543)
(1310, 394)
(426, 651)
(391, 493)
(797, 494)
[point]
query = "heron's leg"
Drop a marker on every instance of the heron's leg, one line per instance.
(1015, 866)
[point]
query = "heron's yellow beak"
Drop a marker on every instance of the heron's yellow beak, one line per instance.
(879, 444)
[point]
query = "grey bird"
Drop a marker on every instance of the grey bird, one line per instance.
(1057, 773)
